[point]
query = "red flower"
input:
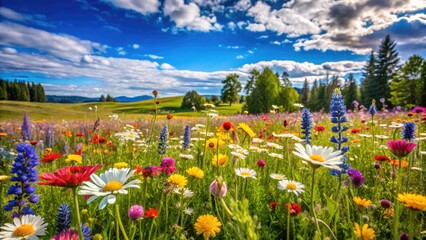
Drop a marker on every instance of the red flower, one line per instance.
(274, 205)
(381, 158)
(96, 139)
(227, 126)
(355, 130)
(401, 148)
(285, 123)
(79, 134)
(69, 176)
(294, 208)
(52, 156)
(169, 116)
(33, 143)
(410, 114)
(151, 213)
(319, 128)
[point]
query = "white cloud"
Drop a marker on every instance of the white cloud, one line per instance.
(233, 47)
(58, 45)
(136, 46)
(9, 50)
(241, 24)
(188, 16)
(166, 66)
(276, 42)
(255, 27)
(144, 7)
(242, 5)
(122, 52)
(232, 25)
(152, 56)
(10, 14)
(239, 57)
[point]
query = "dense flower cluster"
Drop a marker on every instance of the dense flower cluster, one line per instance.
(306, 125)
(25, 173)
(164, 141)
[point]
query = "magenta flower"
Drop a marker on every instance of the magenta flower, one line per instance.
(419, 109)
(167, 166)
(69, 234)
(214, 189)
(136, 212)
(401, 148)
(261, 163)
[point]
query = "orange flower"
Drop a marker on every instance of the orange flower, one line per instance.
(151, 213)
(396, 163)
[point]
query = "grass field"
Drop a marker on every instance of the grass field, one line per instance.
(13, 110)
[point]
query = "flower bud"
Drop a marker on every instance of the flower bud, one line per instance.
(216, 185)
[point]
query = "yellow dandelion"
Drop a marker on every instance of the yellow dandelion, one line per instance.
(195, 172)
(177, 180)
(48, 150)
(246, 129)
(74, 158)
(362, 202)
(208, 225)
(214, 143)
(4, 178)
(121, 165)
(220, 160)
(413, 201)
(364, 233)
(389, 213)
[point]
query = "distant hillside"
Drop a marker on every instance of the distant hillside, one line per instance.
(69, 99)
(133, 99)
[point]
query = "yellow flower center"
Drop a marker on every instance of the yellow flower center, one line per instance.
(112, 186)
(291, 186)
(317, 158)
(245, 174)
(24, 230)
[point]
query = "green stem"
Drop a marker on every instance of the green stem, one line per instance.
(397, 205)
(411, 224)
(312, 201)
(77, 211)
(288, 220)
(227, 210)
(117, 215)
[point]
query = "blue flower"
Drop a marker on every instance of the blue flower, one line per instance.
(164, 141)
(24, 174)
(373, 109)
(186, 137)
(306, 125)
(63, 220)
(26, 128)
(408, 131)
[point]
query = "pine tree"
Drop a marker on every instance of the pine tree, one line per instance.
(3, 89)
(422, 86)
(314, 96)
(254, 74)
(387, 63)
(41, 96)
(367, 92)
(304, 96)
(109, 98)
(231, 88)
(350, 92)
(102, 98)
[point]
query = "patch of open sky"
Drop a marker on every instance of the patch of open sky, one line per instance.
(41, 78)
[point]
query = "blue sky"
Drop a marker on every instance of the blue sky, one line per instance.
(130, 47)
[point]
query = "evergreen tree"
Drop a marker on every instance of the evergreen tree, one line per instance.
(40, 93)
(102, 98)
(254, 74)
(33, 93)
(406, 86)
(231, 88)
(387, 63)
(314, 96)
(285, 81)
(3, 89)
(304, 96)
(367, 91)
(422, 86)
(350, 92)
(109, 98)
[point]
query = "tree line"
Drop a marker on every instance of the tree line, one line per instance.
(21, 91)
(383, 79)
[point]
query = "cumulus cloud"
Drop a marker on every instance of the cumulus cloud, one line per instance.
(9, 50)
(336, 25)
(10, 14)
(188, 16)
(144, 7)
(239, 57)
(58, 45)
(136, 46)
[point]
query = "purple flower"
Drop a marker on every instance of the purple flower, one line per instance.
(400, 148)
(167, 166)
(404, 236)
(356, 177)
(26, 128)
(214, 188)
(419, 109)
(385, 203)
(136, 212)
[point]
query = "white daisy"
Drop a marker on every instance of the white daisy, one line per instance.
(291, 186)
(185, 192)
(107, 185)
(27, 227)
(318, 156)
(274, 145)
(245, 172)
(188, 211)
(277, 176)
(186, 156)
(276, 155)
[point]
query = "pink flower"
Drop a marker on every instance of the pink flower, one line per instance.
(401, 148)
(136, 212)
(167, 166)
(214, 189)
(69, 234)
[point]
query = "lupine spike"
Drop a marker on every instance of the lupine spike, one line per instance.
(306, 125)
(186, 137)
(26, 128)
(409, 131)
(63, 220)
(164, 141)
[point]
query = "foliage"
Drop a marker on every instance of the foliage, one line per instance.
(21, 91)
(350, 91)
(304, 96)
(407, 84)
(193, 99)
(231, 88)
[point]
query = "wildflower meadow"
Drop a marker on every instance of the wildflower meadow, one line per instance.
(300, 175)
